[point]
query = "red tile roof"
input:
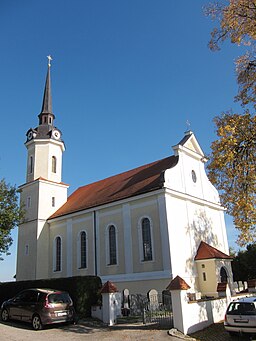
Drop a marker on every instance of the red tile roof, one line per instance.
(206, 251)
(178, 283)
(108, 288)
(128, 184)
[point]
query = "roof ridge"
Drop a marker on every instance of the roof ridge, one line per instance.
(147, 165)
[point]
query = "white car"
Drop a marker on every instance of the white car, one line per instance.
(241, 316)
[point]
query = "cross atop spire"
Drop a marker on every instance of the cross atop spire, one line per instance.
(49, 60)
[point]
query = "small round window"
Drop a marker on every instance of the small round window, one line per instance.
(193, 173)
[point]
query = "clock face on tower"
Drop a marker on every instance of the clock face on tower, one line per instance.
(30, 135)
(56, 134)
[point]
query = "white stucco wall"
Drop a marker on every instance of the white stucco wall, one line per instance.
(194, 213)
(42, 151)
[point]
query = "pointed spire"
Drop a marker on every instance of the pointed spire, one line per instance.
(47, 101)
(46, 111)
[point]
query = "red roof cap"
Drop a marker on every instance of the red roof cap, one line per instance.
(108, 288)
(206, 251)
(178, 283)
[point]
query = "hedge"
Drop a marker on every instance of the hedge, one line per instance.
(84, 290)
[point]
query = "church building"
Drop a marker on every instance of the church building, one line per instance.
(138, 229)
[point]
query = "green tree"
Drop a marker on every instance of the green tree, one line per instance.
(10, 215)
(232, 166)
(243, 265)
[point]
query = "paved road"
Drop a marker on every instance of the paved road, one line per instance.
(92, 330)
(85, 330)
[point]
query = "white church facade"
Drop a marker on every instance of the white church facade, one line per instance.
(138, 229)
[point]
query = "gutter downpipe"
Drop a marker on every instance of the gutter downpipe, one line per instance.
(95, 244)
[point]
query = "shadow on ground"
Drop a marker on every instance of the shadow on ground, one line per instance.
(216, 332)
(89, 325)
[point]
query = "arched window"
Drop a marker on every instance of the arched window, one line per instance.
(223, 275)
(112, 245)
(31, 165)
(83, 250)
(54, 164)
(146, 239)
(57, 254)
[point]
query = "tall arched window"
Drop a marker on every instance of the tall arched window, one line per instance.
(54, 164)
(112, 245)
(31, 164)
(146, 239)
(58, 254)
(83, 250)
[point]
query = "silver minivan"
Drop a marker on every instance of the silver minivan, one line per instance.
(240, 316)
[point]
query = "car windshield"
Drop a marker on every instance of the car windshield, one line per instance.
(241, 308)
(59, 298)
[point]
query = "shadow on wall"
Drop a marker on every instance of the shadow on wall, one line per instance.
(201, 229)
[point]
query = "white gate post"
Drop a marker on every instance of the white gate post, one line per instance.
(111, 304)
(178, 288)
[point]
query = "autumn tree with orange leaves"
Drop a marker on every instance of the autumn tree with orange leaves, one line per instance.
(232, 166)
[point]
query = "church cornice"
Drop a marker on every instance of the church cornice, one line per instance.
(107, 205)
(46, 141)
(38, 180)
(189, 197)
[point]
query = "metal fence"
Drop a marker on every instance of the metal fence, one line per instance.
(155, 309)
(159, 311)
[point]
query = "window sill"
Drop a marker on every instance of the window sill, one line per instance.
(112, 264)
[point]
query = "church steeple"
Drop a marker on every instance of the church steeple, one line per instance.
(45, 128)
(43, 193)
(46, 116)
(44, 143)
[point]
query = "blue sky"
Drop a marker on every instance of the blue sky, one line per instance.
(126, 76)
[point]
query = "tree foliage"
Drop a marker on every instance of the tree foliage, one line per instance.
(232, 162)
(243, 265)
(10, 215)
(237, 22)
(233, 170)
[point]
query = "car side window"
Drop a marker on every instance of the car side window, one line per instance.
(21, 297)
(41, 297)
(32, 296)
(27, 296)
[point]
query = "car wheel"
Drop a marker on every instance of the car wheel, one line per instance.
(36, 322)
(5, 315)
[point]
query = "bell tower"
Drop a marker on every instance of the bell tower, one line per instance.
(43, 193)
(44, 143)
